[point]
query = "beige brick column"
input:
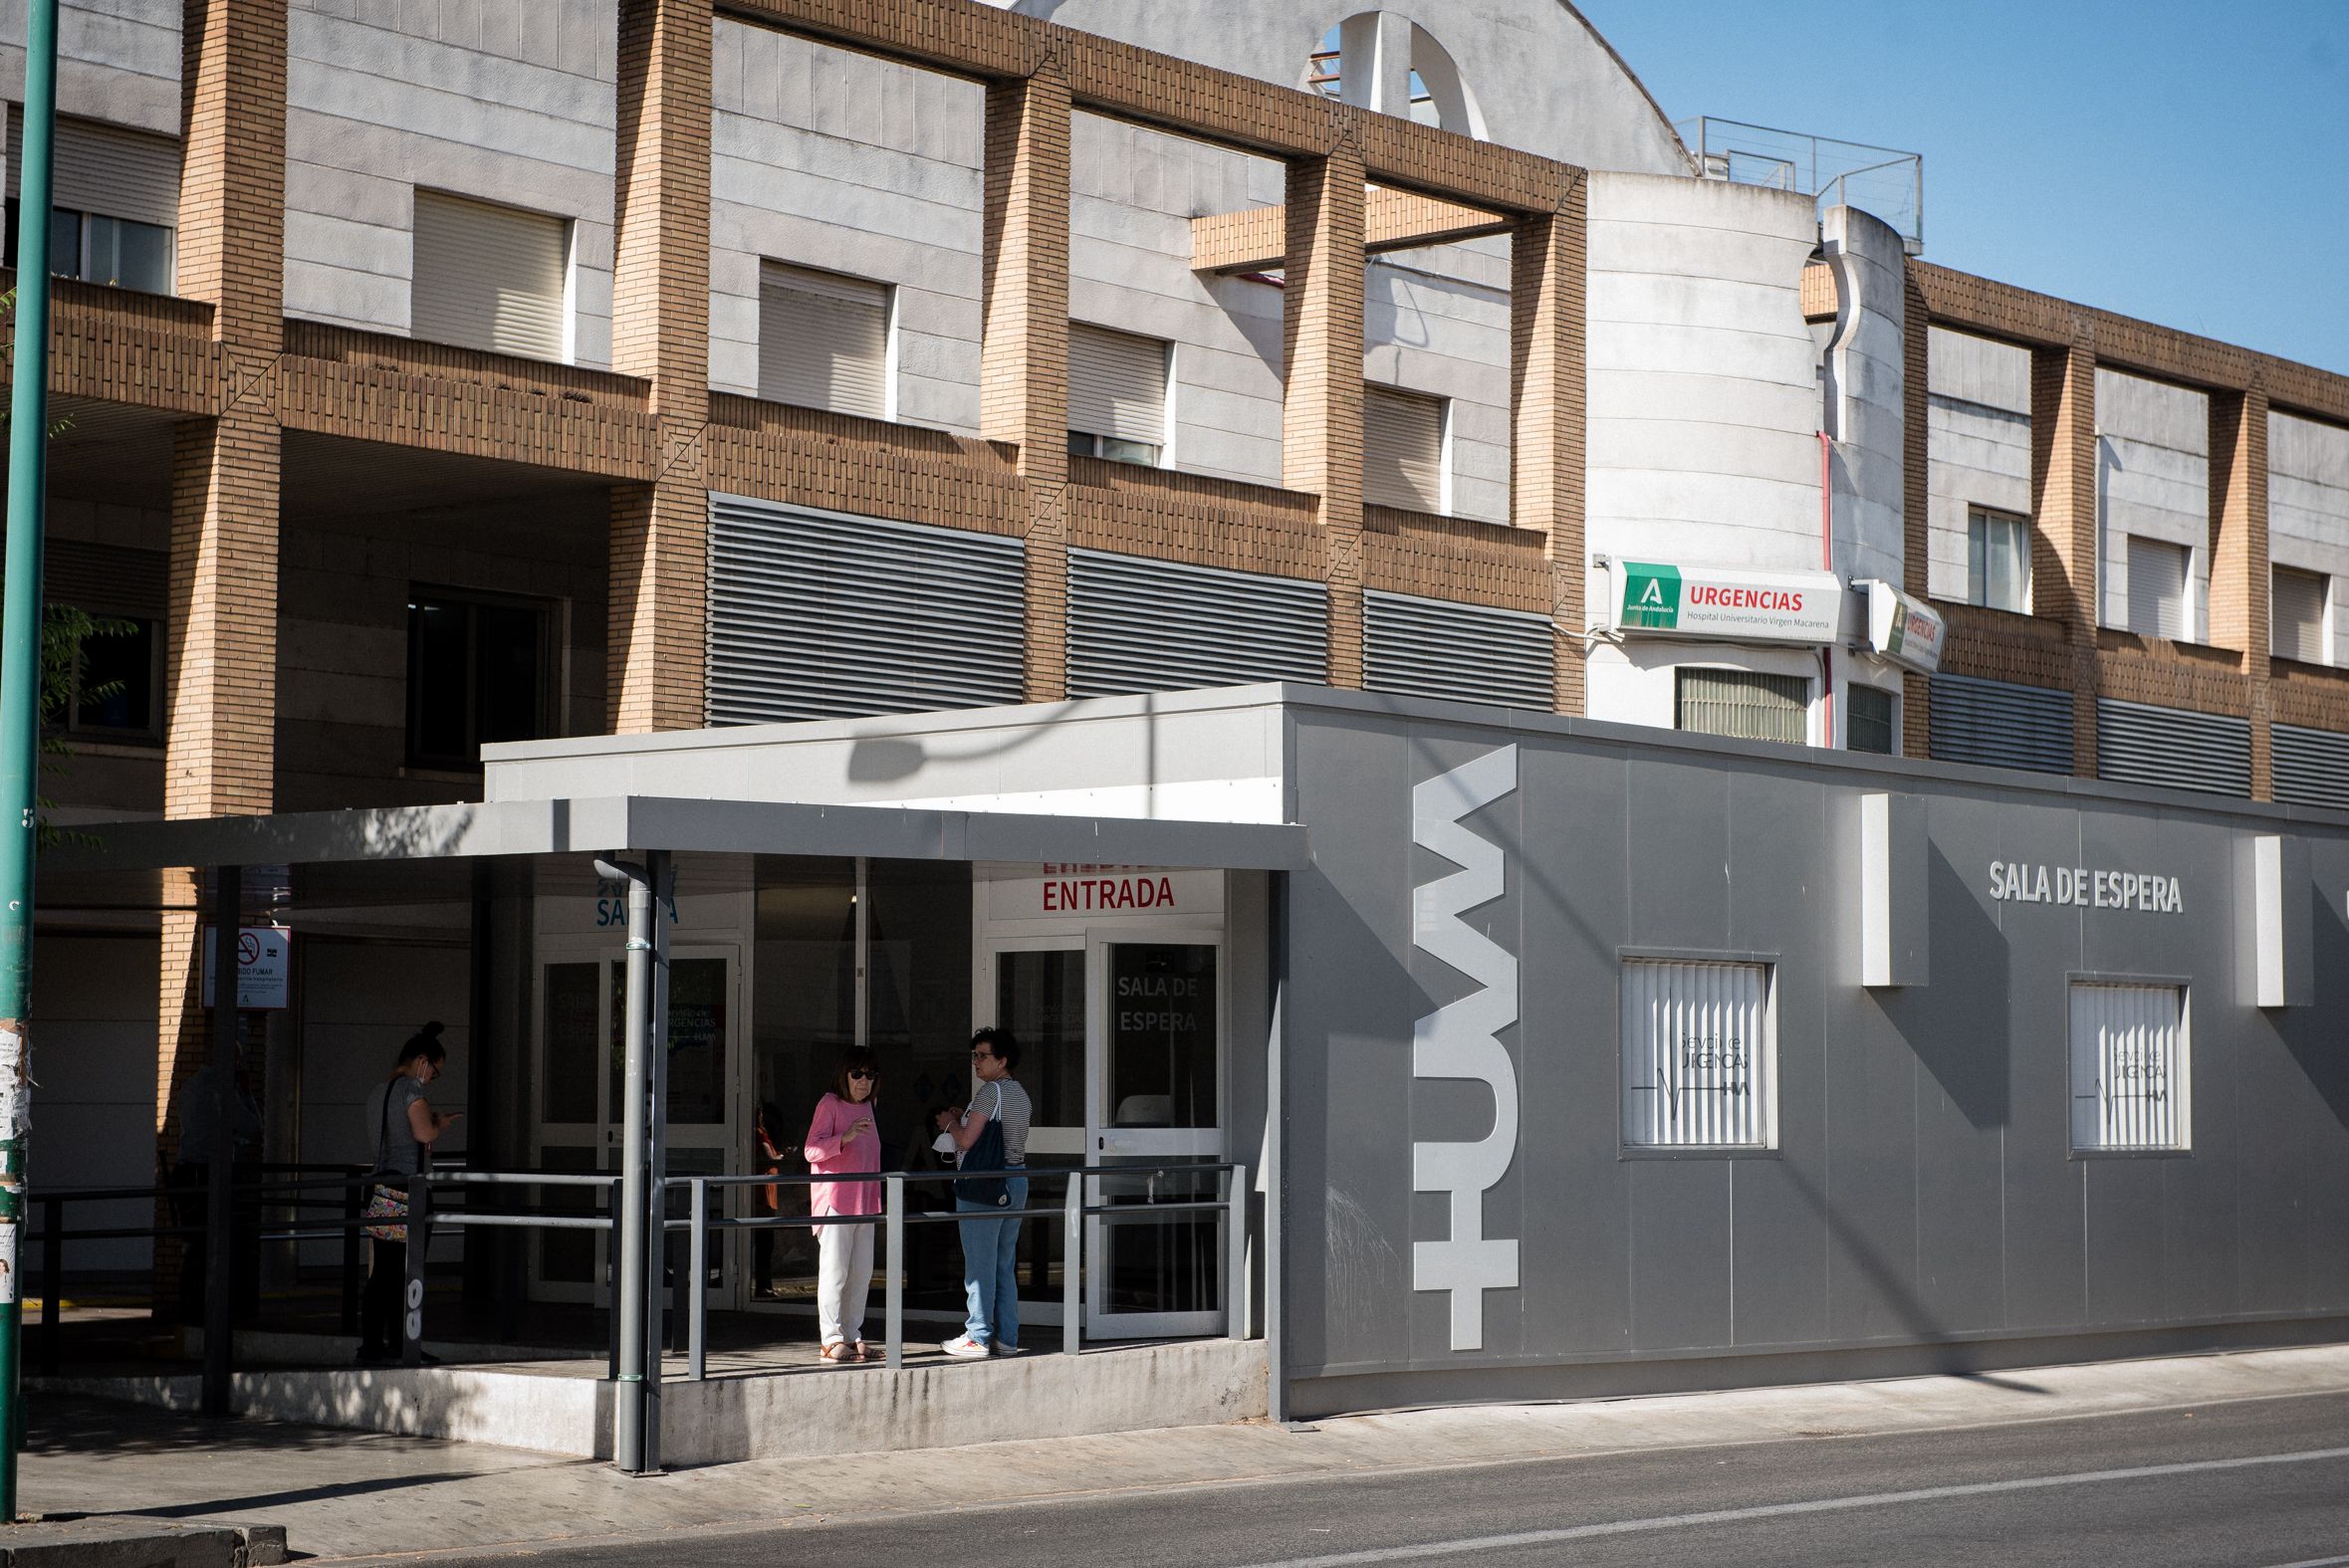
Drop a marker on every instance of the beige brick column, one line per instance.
(220, 673)
(1548, 332)
(1024, 340)
(2239, 571)
(2063, 522)
(1321, 346)
(1916, 490)
(660, 330)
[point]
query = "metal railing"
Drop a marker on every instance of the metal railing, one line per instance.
(427, 1212)
(1884, 181)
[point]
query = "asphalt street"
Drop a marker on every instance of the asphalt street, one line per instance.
(2257, 1484)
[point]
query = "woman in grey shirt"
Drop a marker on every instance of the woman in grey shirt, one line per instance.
(990, 1242)
(406, 1127)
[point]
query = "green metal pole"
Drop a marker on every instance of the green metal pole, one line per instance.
(20, 698)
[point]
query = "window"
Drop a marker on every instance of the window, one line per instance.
(120, 252)
(1402, 449)
(1116, 395)
(1998, 561)
(1699, 1055)
(114, 200)
(1744, 704)
(824, 340)
(113, 692)
(489, 277)
(480, 670)
(2157, 588)
(1867, 718)
(2131, 1083)
(2295, 614)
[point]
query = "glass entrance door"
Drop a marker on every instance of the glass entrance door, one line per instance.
(582, 1064)
(1040, 995)
(1154, 1076)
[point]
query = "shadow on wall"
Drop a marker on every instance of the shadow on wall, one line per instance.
(1960, 1032)
(2317, 1050)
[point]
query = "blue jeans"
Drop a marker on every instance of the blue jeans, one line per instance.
(991, 1267)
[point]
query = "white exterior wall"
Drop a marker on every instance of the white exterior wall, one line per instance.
(1704, 375)
(1540, 78)
(1634, 682)
(1978, 443)
(512, 105)
(117, 59)
(1437, 320)
(2308, 495)
(2153, 479)
(1133, 192)
(853, 164)
(1862, 385)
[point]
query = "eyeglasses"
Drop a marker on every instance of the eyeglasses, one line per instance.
(982, 1056)
(860, 1072)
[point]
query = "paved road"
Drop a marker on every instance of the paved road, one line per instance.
(2259, 1484)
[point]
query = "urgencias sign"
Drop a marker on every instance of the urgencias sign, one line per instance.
(1734, 604)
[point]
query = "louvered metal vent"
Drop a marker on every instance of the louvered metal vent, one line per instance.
(2311, 766)
(822, 615)
(1465, 653)
(1996, 724)
(2172, 747)
(1137, 625)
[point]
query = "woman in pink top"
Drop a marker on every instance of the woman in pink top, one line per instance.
(842, 1140)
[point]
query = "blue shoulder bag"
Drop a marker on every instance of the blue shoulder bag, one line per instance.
(986, 1153)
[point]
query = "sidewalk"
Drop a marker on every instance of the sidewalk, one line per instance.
(341, 1494)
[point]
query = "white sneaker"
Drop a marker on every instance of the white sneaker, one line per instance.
(965, 1348)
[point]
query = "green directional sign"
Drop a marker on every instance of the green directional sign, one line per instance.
(1651, 597)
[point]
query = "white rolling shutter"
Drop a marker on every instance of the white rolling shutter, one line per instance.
(1402, 449)
(2130, 1087)
(106, 169)
(1699, 1068)
(1116, 384)
(824, 340)
(2157, 588)
(1747, 705)
(488, 277)
(2295, 607)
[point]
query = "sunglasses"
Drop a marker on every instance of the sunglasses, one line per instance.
(861, 1072)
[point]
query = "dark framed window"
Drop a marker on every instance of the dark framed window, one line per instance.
(121, 251)
(1867, 722)
(481, 669)
(115, 690)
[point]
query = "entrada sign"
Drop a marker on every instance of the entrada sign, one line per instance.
(1728, 601)
(2012, 882)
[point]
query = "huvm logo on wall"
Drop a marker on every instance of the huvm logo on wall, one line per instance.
(1461, 1039)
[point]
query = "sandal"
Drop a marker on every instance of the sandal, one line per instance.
(865, 1352)
(837, 1351)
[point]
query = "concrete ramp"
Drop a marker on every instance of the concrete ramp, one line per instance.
(565, 1407)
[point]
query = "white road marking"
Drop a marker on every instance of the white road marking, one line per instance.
(1880, 1499)
(2315, 1562)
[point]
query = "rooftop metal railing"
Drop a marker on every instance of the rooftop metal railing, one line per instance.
(1884, 181)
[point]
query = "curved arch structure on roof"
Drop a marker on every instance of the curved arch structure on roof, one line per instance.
(1532, 74)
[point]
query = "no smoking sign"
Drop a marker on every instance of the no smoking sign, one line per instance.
(264, 963)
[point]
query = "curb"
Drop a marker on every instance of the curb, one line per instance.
(101, 1542)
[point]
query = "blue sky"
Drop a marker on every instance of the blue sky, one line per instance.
(2187, 164)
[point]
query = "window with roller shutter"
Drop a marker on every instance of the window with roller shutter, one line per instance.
(1116, 394)
(113, 203)
(1402, 449)
(824, 340)
(2158, 576)
(489, 277)
(2295, 609)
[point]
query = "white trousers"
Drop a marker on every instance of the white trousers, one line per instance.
(842, 1281)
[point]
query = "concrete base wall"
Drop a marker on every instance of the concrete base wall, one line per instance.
(847, 1410)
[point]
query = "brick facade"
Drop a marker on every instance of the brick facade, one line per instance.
(1321, 410)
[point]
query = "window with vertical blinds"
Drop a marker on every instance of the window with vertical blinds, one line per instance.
(1118, 390)
(2157, 588)
(824, 340)
(1402, 449)
(1698, 1069)
(2129, 1066)
(1743, 703)
(489, 277)
(1868, 722)
(2296, 612)
(1998, 561)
